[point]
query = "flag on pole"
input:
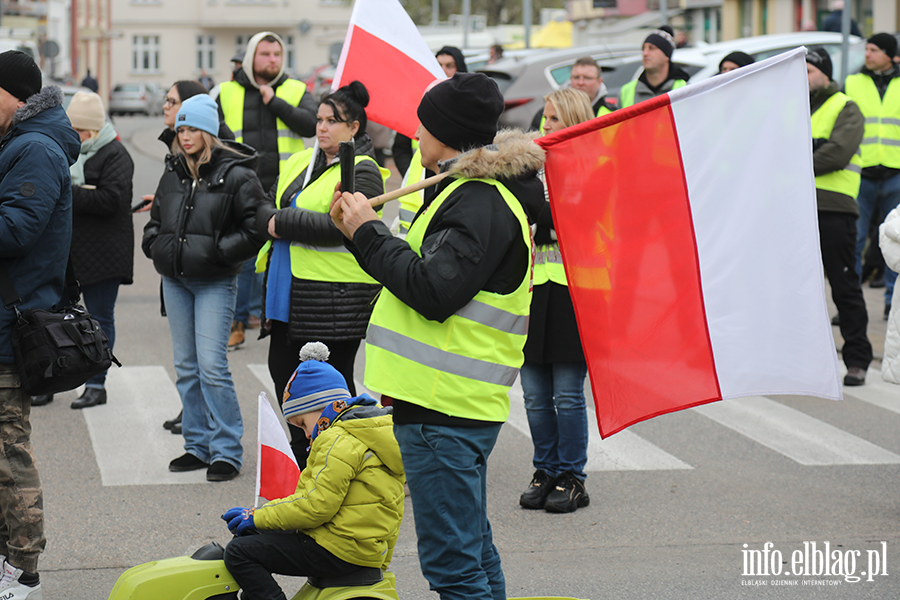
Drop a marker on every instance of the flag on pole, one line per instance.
(277, 472)
(688, 229)
(384, 50)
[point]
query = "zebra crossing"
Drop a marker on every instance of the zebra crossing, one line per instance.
(146, 396)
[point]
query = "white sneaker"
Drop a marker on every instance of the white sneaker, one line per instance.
(12, 589)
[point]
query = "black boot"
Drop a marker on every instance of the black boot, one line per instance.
(90, 397)
(173, 422)
(42, 400)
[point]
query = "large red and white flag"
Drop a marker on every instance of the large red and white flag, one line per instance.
(277, 471)
(384, 50)
(688, 229)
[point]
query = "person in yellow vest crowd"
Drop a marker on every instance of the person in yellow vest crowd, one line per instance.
(659, 75)
(315, 290)
(446, 336)
(586, 76)
(554, 370)
(837, 130)
(269, 112)
(876, 89)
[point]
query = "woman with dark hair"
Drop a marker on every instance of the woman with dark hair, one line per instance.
(202, 229)
(314, 289)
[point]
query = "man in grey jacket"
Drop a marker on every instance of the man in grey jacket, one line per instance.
(837, 130)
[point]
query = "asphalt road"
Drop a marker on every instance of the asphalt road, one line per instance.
(679, 504)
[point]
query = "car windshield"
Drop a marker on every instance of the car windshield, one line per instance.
(503, 80)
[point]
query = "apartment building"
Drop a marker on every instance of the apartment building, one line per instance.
(162, 41)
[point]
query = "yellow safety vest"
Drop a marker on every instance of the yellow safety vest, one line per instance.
(232, 97)
(846, 181)
(411, 203)
(881, 140)
(548, 265)
(317, 263)
(464, 366)
(626, 96)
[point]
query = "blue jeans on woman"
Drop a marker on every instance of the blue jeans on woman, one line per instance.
(557, 416)
(200, 312)
(446, 469)
(100, 300)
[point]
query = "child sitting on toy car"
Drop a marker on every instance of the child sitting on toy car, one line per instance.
(347, 509)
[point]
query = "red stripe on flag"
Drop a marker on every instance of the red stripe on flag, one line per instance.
(622, 214)
(395, 81)
(278, 474)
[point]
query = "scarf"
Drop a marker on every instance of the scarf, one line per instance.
(333, 411)
(88, 149)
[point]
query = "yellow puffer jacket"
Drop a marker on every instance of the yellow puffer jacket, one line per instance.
(350, 495)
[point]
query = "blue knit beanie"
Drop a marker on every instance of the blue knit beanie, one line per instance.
(315, 384)
(199, 112)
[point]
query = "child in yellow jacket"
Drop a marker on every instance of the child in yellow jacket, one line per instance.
(347, 509)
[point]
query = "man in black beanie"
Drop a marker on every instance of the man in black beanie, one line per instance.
(876, 90)
(659, 75)
(837, 130)
(38, 145)
(445, 339)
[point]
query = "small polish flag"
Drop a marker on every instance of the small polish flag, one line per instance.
(384, 50)
(689, 234)
(277, 472)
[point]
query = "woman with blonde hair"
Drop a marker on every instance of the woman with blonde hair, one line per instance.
(202, 228)
(554, 370)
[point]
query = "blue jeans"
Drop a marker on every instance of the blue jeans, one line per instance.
(100, 300)
(885, 195)
(446, 469)
(557, 416)
(200, 312)
(249, 293)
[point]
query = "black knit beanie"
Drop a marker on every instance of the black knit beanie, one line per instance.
(19, 75)
(886, 42)
(463, 111)
(741, 59)
(662, 39)
(818, 57)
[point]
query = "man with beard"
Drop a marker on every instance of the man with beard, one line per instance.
(269, 112)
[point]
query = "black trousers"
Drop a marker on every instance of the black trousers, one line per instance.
(252, 559)
(283, 360)
(837, 236)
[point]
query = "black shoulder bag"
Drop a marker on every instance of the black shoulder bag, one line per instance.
(57, 349)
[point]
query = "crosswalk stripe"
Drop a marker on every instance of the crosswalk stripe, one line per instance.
(130, 444)
(877, 391)
(794, 434)
(624, 451)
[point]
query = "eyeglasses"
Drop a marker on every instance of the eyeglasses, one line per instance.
(170, 102)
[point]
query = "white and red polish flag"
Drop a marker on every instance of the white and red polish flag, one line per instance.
(384, 50)
(688, 230)
(277, 471)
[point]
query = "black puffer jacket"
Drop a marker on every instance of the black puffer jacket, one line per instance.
(323, 310)
(206, 228)
(102, 229)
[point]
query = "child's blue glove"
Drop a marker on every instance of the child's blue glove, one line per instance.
(240, 520)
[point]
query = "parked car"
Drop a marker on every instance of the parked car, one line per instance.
(130, 98)
(525, 80)
(479, 60)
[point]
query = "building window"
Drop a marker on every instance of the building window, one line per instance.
(206, 52)
(289, 54)
(145, 53)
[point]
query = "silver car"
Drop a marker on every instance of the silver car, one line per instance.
(131, 98)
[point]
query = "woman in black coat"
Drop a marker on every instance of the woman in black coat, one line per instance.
(102, 250)
(202, 228)
(314, 289)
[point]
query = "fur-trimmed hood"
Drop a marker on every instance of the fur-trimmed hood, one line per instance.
(44, 113)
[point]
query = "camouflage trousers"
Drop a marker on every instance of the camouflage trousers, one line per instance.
(21, 499)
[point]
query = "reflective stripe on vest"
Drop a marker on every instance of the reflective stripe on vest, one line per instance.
(548, 265)
(464, 366)
(411, 203)
(317, 263)
(846, 181)
(626, 95)
(881, 140)
(232, 98)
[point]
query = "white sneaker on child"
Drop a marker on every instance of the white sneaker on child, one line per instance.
(12, 589)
